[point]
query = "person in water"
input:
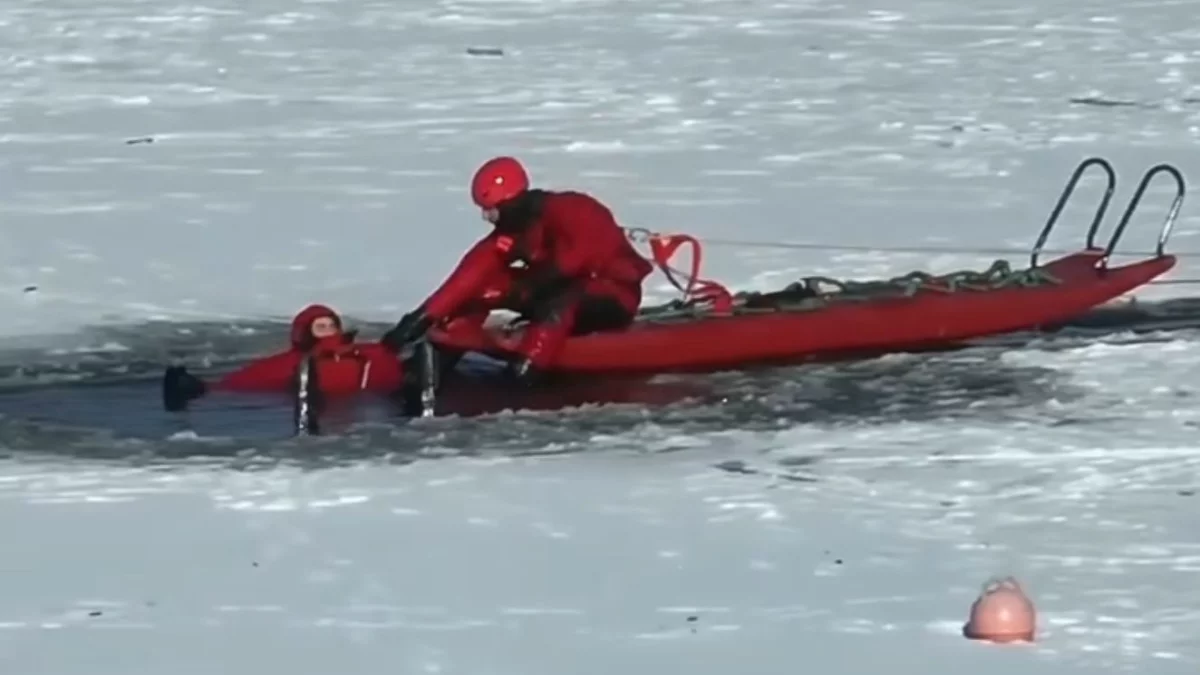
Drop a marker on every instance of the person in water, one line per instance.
(560, 259)
(341, 365)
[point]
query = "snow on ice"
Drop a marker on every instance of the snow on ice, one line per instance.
(235, 161)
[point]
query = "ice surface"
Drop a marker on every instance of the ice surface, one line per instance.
(319, 151)
(853, 548)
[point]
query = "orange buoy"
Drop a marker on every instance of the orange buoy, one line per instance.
(1002, 613)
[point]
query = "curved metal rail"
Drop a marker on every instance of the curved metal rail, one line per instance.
(1102, 209)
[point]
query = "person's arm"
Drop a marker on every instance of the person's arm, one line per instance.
(480, 265)
(273, 373)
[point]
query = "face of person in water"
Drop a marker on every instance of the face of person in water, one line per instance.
(324, 327)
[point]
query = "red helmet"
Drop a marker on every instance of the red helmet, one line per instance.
(497, 181)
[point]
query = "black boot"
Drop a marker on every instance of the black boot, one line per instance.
(179, 387)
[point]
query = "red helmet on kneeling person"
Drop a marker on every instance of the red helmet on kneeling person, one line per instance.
(498, 180)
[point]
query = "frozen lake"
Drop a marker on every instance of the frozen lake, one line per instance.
(231, 162)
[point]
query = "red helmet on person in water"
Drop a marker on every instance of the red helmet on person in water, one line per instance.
(497, 181)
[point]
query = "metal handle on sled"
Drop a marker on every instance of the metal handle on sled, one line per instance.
(418, 394)
(1111, 175)
(1094, 228)
(1168, 223)
(304, 417)
(429, 379)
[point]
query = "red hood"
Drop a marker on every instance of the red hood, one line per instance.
(302, 324)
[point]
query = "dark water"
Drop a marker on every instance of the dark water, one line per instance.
(65, 396)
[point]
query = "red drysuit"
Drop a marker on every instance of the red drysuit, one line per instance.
(342, 366)
(563, 261)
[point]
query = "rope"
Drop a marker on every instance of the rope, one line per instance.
(810, 293)
(639, 234)
(960, 250)
(702, 297)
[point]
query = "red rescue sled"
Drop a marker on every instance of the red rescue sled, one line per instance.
(710, 329)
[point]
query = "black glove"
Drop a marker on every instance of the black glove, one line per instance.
(410, 327)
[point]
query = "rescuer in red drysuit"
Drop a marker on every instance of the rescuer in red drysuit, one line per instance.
(342, 366)
(558, 258)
